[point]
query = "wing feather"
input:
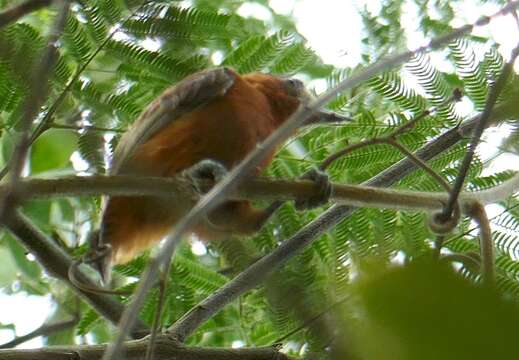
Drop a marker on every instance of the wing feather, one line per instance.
(189, 94)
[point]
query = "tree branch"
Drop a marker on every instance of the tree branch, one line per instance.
(165, 350)
(252, 189)
(56, 262)
(13, 14)
(256, 189)
(44, 330)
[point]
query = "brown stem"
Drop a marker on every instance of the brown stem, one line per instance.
(343, 152)
(485, 243)
(419, 163)
(388, 139)
(438, 245)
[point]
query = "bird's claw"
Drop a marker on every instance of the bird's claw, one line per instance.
(205, 174)
(99, 257)
(322, 182)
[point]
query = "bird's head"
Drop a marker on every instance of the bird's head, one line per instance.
(286, 95)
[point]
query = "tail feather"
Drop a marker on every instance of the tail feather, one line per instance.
(132, 224)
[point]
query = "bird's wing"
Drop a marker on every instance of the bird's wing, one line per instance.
(189, 94)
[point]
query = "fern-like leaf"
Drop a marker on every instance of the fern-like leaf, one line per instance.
(391, 86)
(91, 148)
(258, 52)
(435, 85)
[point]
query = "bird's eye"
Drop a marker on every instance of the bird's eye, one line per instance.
(294, 86)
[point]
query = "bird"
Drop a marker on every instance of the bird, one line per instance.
(210, 119)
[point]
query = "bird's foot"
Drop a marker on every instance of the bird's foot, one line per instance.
(322, 182)
(99, 257)
(205, 174)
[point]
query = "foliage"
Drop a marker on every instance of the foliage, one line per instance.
(164, 41)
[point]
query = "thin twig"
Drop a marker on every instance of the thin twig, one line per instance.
(389, 140)
(390, 137)
(163, 285)
(84, 127)
(309, 321)
(467, 232)
(438, 245)
(73, 278)
(219, 192)
(44, 330)
(37, 95)
(485, 243)
(493, 95)
(419, 163)
(16, 12)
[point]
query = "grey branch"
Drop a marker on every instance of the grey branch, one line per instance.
(44, 330)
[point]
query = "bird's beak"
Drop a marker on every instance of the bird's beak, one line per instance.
(326, 117)
(322, 116)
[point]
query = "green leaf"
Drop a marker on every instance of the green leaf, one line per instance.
(427, 311)
(29, 268)
(8, 266)
(52, 150)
